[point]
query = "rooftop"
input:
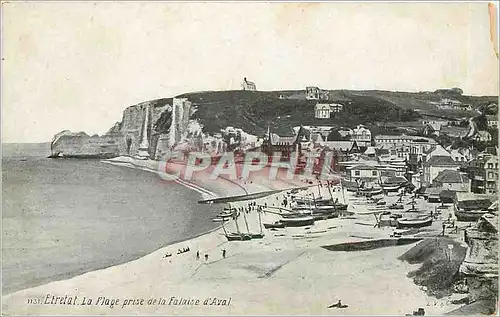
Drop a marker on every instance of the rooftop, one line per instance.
(440, 160)
(450, 176)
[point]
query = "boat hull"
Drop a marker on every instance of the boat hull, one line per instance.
(471, 215)
(277, 225)
(238, 237)
(413, 223)
(297, 222)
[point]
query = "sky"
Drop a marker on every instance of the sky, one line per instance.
(78, 65)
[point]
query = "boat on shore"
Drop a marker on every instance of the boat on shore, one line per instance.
(396, 206)
(472, 210)
(414, 223)
(238, 236)
(275, 225)
(298, 221)
(470, 215)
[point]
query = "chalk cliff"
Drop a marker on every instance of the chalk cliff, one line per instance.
(123, 138)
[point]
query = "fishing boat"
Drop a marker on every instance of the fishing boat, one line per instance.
(238, 236)
(469, 215)
(220, 219)
(414, 223)
(276, 224)
(396, 206)
(472, 208)
(298, 221)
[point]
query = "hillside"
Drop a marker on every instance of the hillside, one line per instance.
(253, 111)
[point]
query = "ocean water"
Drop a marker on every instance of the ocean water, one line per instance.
(62, 218)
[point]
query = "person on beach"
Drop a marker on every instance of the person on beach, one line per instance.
(197, 255)
(206, 257)
(444, 227)
(224, 253)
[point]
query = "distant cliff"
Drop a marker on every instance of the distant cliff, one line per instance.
(123, 138)
(192, 118)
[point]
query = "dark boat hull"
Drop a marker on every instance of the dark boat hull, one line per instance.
(274, 225)
(469, 215)
(291, 222)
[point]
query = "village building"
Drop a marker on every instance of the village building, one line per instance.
(248, 85)
(412, 148)
(365, 173)
(452, 180)
(461, 154)
(482, 136)
(323, 110)
(362, 136)
(435, 165)
(312, 93)
(492, 121)
(491, 175)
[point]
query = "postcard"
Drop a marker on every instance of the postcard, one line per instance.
(249, 158)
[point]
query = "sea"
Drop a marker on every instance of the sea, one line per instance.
(66, 217)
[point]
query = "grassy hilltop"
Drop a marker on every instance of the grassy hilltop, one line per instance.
(253, 111)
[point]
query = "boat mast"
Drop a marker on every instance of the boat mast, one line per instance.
(245, 218)
(260, 221)
(315, 206)
(342, 189)
(236, 220)
(329, 190)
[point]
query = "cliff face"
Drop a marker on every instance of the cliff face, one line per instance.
(123, 138)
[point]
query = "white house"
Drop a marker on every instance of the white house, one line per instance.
(322, 111)
(492, 121)
(362, 136)
(363, 172)
(483, 136)
(248, 85)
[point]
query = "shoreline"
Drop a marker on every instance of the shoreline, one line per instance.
(274, 255)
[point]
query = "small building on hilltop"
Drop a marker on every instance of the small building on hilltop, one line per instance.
(248, 85)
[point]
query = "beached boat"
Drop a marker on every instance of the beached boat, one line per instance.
(414, 223)
(220, 219)
(469, 215)
(390, 187)
(276, 224)
(472, 208)
(256, 235)
(396, 206)
(298, 221)
(238, 236)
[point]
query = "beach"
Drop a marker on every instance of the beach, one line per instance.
(285, 272)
